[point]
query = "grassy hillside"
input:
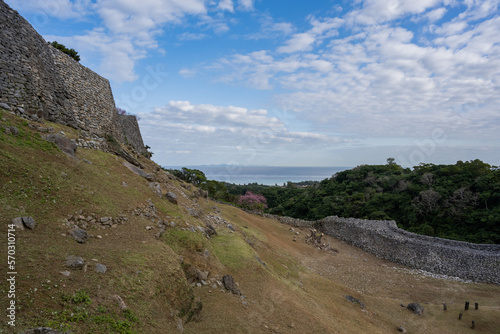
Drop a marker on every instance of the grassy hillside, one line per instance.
(286, 286)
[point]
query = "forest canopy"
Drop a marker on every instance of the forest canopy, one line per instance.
(460, 201)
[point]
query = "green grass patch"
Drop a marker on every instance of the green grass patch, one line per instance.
(184, 239)
(232, 251)
(78, 314)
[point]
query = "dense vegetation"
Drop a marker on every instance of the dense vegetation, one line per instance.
(70, 52)
(460, 201)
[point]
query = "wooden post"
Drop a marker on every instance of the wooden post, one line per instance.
(444, 307)
(466, 306)
(460, 316)
(476, 306)
(473, 324)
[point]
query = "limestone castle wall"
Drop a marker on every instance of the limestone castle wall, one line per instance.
(36, 78)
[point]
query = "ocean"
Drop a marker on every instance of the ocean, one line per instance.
(264, 174)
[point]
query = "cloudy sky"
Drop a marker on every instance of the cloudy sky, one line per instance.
(293, 82)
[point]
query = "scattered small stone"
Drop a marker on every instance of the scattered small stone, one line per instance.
(18, 223)
(87, 161)
(13, 131)
(180, 328)
(149, 228)
(401, 329)
(120, 302)
(65, 273)
(416, 308)
(75, 262)
(160, 232)
(210, 231)
(355, 301)
(100, 268)
(229, 226)
(202, 275)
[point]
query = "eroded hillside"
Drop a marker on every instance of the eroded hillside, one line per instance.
(159, 257)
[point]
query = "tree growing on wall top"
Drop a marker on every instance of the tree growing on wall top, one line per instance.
(70, 52)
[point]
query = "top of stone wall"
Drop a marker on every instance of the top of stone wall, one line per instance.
(390, 229)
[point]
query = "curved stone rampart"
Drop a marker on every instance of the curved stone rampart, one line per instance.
(475, 262)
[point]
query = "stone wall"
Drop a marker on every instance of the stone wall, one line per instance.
(89, 102)
(475, 262)
(130, 132)
(36, 78)
(28, 76)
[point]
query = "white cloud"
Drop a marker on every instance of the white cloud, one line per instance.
(382, 83)
(305, 41)
(246, 4)
(64, 9)
(436, 14)
(379, 11)
(189, 36)
(145, 16)
(187, 73)
(269, 29)
(298, 42)
(232, 131)
(226, 5)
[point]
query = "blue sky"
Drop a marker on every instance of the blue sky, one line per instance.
(294, 83)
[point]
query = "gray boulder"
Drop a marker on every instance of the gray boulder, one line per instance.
(229, 284)
(210, 231)
(75, 262)
(79, 234)
(139, 171)
(65, 144)
(416, 308)
(18, 223)
(171, 197)
(5, 106)
(29, 222)
(156, 188)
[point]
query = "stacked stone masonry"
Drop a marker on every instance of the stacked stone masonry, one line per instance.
(36, 78)
(475, 262)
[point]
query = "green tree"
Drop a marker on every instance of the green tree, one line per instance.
(70, 52)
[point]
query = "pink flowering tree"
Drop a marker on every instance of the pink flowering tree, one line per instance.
(252, 201)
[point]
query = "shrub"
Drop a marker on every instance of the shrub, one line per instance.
(252, 201)
(70, 52)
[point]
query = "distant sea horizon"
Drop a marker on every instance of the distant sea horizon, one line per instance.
(266, 175)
